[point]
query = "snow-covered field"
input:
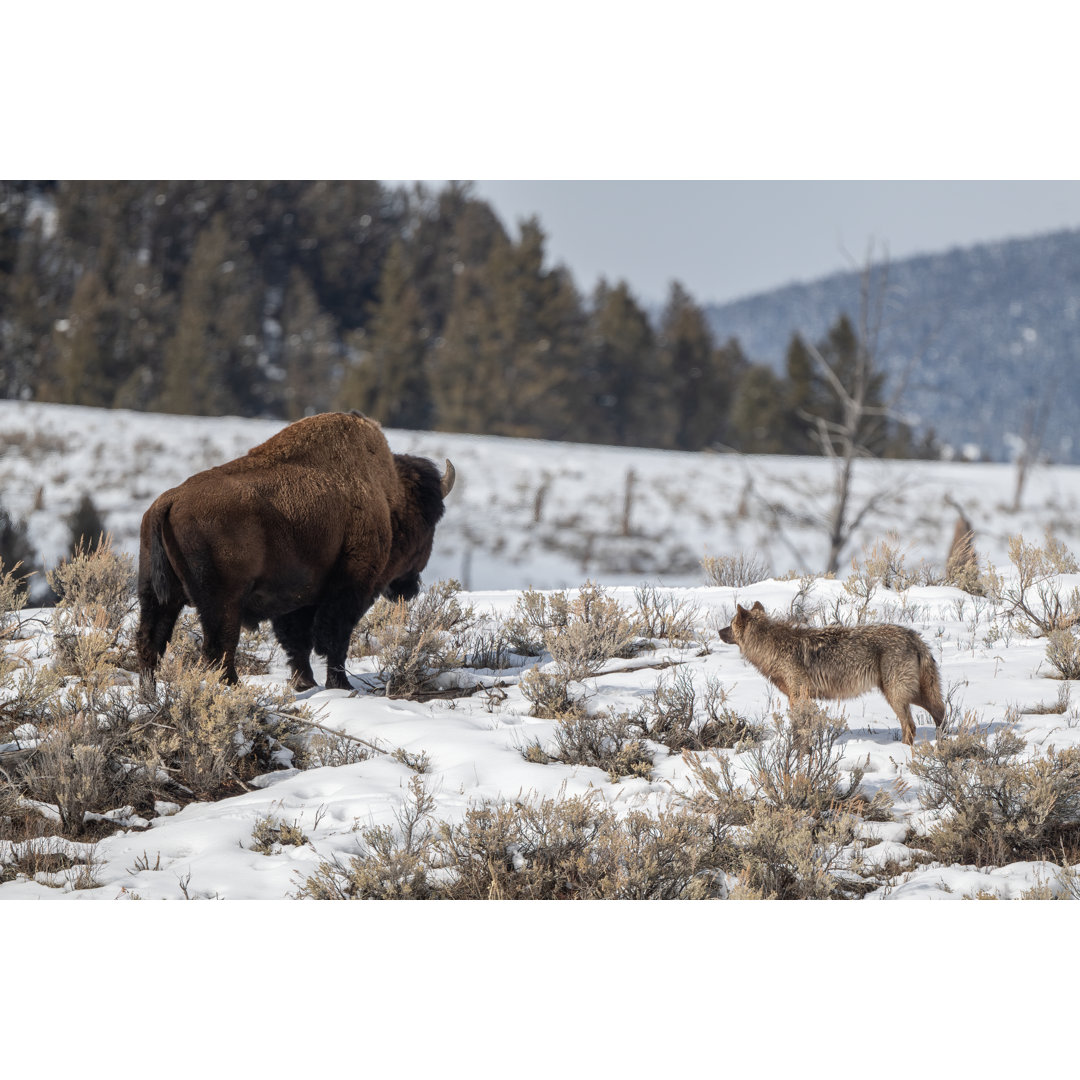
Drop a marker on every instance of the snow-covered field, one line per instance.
(549, 516)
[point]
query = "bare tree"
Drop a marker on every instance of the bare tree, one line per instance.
(1035, 418)
(861, 412)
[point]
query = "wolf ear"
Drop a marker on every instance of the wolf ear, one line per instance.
(757, 606)
(740, 610)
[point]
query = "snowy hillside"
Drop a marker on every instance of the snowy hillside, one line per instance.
(551, 516)
(1000, 316)
(547, 515)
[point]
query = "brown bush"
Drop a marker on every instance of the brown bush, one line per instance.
(682, 717)
(734, 571)
(414, 643)
(602, 740)
(531, 849)
(998, 806)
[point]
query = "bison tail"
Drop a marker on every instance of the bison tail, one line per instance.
(161, 572)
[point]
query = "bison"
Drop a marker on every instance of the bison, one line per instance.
(305, 530)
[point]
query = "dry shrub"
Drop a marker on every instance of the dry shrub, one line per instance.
(488, 650)
(97, 750)
(1063, 651)
(999, 807)
(664, 617)
(26, 694)
(798, 768)
(393, 864)
(1057, 558)
(802, 609)
(788, 855)
(550, 695)
(597, 628)
(536, 614)
(328, 749)
(374, 628)
(1034, 595)
(681, 718)
(95, 592)
(12, 602)
(602, 740)
(419, 641)
(734, 571)
(883, 565)
(588, 630)
(579, 849)
(271, 833)
(254, 651)
(94, 580)
(790, 826)
(547, 849)
(78, 765)
(208, 736)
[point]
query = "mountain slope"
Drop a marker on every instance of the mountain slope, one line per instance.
(992, 331)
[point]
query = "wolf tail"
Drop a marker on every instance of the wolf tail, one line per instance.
(930, 685)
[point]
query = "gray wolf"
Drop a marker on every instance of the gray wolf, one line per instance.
(837, 662)
(305, 530)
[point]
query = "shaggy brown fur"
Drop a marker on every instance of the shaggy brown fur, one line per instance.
(836, 662)
(306, 530)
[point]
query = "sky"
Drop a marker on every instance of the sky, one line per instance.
(728, 239)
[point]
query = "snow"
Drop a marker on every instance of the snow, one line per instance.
(474, 744)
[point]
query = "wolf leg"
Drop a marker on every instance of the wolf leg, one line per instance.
(907, 724)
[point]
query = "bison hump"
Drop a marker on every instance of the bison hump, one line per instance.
(329, 441)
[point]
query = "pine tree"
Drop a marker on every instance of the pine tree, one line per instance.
(448, 233)
(509, 360)
(83, 344)
(308, 351)
(211, 361)
(803, 393)
(624, 390)
(85, 527)
(388, 379)
(702, 378)
(758, 412)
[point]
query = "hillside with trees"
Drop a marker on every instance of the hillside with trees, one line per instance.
(418, 307)
(993, 330)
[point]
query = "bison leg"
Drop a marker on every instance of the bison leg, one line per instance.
(295, 634)
(221, 635)
(156, 624)
(335, 619)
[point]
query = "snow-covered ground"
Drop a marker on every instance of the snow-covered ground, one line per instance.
(548, 515)
(682, 505)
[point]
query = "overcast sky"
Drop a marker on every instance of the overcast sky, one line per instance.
(728, 239)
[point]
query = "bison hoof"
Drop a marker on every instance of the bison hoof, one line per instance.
(337, 680)
(301, 681)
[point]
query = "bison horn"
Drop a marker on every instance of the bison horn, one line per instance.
(448, 478)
